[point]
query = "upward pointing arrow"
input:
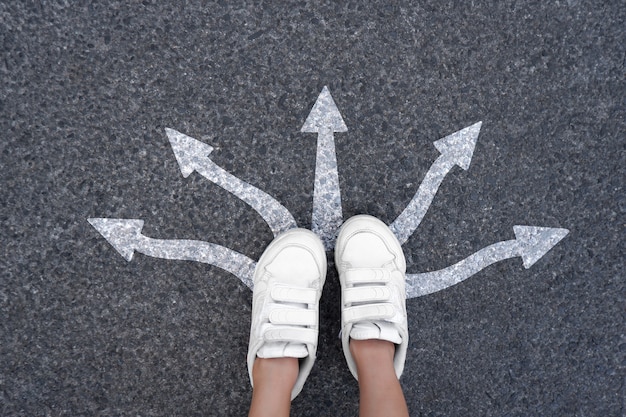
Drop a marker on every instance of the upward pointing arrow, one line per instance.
(125, 236)
(193, 155)
(455, 149)
(324, 115)
(530, 243)
(325, 119)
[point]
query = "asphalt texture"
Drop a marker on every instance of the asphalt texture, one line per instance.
(88, 88)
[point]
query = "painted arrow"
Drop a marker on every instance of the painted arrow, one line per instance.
(125, 236)
(193, 155)
(325, 119)
(530, 243)
(456, 149)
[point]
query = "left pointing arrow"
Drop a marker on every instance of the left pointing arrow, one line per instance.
(193, 155)
(125, 236)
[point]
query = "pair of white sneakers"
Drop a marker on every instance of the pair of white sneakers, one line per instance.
(288, 283)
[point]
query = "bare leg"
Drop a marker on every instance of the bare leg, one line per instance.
(380, 390)
(273, 381)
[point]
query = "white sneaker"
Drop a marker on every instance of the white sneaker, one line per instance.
(372, 269)
(288, 282)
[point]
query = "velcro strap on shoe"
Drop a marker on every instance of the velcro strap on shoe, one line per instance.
(367, 276)
(382, 311)
(291, 334)
(365, 294)
(293, 316)
(294, 295)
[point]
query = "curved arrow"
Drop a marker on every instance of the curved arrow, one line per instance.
(530, 242)
(193, 155)
(456, 149)
(125, 236)
(325, 119)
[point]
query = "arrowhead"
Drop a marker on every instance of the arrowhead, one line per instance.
(189, 152)
(459, 146)
(324, 115)
(122, 234)
(535, 242)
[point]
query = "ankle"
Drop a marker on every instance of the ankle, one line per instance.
(273, 381)
(278, 373)
(371, 353)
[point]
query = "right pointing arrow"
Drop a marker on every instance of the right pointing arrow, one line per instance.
(193, 155)
(325, 119)
(456, 149)
(125, 236)
(530, 243)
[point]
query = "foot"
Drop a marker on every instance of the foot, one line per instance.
(288, 282)
(372, 269)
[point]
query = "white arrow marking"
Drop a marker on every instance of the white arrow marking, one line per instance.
(325, 119)
(530, 242)
(456, 149)
(193, 155)
(125, 236)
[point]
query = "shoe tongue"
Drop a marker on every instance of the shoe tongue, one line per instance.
(283, 350)
(382, 330)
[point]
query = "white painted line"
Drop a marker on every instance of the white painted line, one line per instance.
(125, 236)
(530, 242)
(456, 149)
(325, 119)
(193, 155)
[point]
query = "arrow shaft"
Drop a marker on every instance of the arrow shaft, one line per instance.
(425, 283)
(275, 214)
(408, 221)
(198, 251)
(327, 213)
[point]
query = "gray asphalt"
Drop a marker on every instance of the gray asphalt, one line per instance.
(87, 90)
